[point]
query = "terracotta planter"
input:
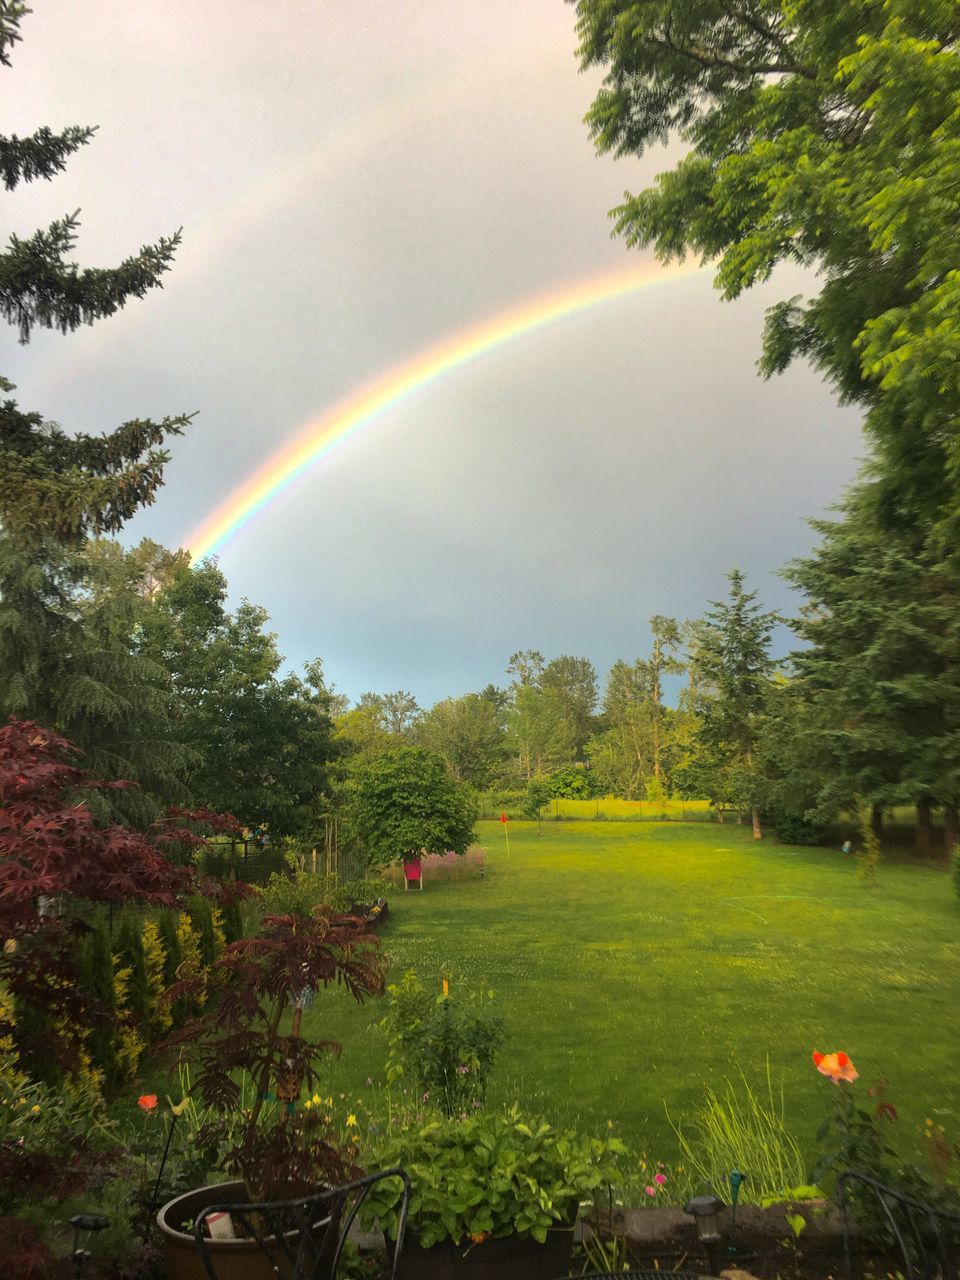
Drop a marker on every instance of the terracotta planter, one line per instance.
(508, 1258)
(230, 1259)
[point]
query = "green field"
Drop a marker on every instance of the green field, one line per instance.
(636, 963)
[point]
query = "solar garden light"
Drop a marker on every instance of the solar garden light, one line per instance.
(705, 1211)
(88, 1222)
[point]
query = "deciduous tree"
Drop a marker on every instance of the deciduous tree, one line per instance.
(406, 803)
(819, 134)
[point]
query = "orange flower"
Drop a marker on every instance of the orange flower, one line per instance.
(147, 1101)
(835, 1066)
(446, 987)
(478, 1237)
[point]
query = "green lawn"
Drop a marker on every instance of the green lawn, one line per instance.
(636, 963)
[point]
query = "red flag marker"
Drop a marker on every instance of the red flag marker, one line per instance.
(506, 833)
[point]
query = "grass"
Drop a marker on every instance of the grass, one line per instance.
(639, 965)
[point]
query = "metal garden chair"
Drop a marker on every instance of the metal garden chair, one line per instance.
(927, 1238)
(303, 1238)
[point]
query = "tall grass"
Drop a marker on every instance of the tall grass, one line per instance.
(741, 1130)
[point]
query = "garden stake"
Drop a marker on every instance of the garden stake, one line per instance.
(163, 1161)
(506, 834)
(736, 1181)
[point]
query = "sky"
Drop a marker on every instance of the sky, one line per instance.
(356, 183)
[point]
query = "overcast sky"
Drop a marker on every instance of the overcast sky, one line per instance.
(356, 181)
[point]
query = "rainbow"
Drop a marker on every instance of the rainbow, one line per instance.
(373, 400)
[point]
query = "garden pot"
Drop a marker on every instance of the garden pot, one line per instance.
(507, 1258)
(230, 1259)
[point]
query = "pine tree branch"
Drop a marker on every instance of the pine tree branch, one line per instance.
(41, 155)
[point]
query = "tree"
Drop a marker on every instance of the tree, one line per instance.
(621, 754)
(406, 803)
(735, 668)
(469, 733)
(538, 732)
(881, 667)
(261, 742)
(400, 709)
(821, 134)
(52, 484)
(57, 490)
(573, 684)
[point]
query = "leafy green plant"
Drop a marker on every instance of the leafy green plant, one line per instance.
(850, 1136)
(447, 1044)
(741, 1129)
(955, 870)
(491, 1174)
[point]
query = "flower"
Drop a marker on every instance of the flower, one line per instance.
(463, 1070)
(180, 1107)
(659, 1179)
(478, 1237)
(351, 1121)
(836, 1066)
(147, 1101)
(446, 987)
(651, 1191)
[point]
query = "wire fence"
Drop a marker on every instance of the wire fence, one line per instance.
(606, 809)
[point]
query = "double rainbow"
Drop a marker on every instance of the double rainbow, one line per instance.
(376, 398)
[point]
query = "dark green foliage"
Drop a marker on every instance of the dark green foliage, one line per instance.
(538, 794)
(880, 671)
(96, 982)
(261, 741)
(60, 668)
(128, 949)
(569, 784)
(955, 871)
(733, 669)
(232, 921)
(201, 918)
(794, 828)
(406, 803)
(67, 660)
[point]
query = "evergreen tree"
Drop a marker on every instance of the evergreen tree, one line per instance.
(882, 664)
(129, 954)
(734, 671)
(58, 489)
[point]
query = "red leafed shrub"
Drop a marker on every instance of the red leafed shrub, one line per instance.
(51, 850)
(282, 1150)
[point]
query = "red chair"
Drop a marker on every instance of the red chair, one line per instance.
(412, 874)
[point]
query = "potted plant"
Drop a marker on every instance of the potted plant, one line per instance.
(493, 1195)
(277, 1149)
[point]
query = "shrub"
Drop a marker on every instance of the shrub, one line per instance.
(794, 828)
(446, 1043)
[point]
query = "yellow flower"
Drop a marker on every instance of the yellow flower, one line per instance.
(351, 1121)
(307, 1105)
(317, 1099)
(34, 1110)
(180, 1107)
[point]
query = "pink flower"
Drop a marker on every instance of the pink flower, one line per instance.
(651, 1191)
(659, 1179)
